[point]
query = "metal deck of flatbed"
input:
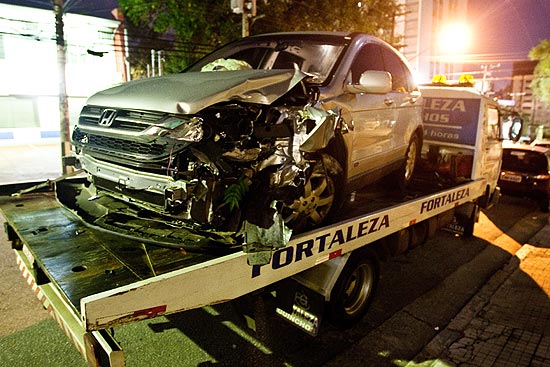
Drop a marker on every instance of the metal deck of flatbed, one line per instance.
(82, 260)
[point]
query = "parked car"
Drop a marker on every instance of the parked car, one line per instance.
(526, 171)
(541, 143)
(268, 132)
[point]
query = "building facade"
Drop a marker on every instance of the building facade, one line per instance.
(29, 91)
(526, 103)
(422, 24)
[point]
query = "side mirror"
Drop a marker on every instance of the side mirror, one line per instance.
(372, 81)
(515, 129)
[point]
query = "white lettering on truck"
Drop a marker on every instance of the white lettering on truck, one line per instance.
(445, 104)
(326, 241)
(437, 110)
(437, 202)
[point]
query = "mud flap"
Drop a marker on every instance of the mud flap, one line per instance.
(464, 220)
(300, 306)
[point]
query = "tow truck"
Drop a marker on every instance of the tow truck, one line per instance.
(92, 280)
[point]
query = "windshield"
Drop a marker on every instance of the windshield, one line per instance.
(313, 56)
(525, 161)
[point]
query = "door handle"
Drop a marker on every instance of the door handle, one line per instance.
(388, 101)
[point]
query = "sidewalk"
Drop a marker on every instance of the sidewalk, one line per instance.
(29, 163)
(507, 323)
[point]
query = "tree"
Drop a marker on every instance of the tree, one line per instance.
(541, 83)
(194, 27)
(199, 26)
(376, 17)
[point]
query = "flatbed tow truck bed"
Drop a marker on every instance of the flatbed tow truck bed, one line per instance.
(81, 260)
(92, 280)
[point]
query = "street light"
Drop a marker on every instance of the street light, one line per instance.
(454, 40)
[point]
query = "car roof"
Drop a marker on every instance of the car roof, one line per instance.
(525, 147)
(540, 141)
(320, 35)
(308, 33)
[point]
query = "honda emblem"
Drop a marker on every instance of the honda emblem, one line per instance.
(107, 117)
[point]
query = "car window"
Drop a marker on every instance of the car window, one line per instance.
(525, 161)
(316, 57)
(395, 67)
(368, 58)
(253, 56)
(493, 124)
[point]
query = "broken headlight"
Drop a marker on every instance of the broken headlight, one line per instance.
(189, 130)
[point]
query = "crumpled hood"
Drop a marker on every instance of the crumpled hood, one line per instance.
(189, 93)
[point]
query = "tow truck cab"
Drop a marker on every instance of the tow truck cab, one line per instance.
(462, 136)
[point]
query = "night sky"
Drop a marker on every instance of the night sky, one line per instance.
(508, 29)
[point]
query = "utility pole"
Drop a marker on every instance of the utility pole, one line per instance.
(159, 57)
(245, 24)
(486, 72)
(64, 127)
(248, 10)
(153, 62)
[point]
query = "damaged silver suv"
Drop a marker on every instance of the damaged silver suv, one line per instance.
(263, 136)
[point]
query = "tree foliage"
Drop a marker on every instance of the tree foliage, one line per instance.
(199, 26)
(376, 17)
(194, 27)
(541, 83)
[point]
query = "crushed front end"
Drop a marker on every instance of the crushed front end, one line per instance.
(226, 163)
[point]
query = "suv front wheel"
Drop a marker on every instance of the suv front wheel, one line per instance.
(317, 198)
(405, 173)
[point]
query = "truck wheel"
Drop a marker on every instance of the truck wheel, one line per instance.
(405, 173)
(354, 289)
(543, 204)
(470, 221)
(317, 198)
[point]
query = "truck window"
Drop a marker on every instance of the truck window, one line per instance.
(493, 124)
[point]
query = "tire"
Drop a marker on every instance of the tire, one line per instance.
(469, 225)
(544, 204)
(419, 234)
(354, 290)
(468, 219)
(317, 198)
(406, 172)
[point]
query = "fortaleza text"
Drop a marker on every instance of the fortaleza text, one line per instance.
(440, 201)
(329, 241)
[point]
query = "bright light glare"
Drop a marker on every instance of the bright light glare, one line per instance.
(454, 38)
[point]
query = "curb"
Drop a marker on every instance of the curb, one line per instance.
(455, 329)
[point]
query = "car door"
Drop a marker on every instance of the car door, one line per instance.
(491, 146)
(404, 99)
(371, 117)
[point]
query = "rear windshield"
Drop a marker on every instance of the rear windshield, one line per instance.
(525, 161)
